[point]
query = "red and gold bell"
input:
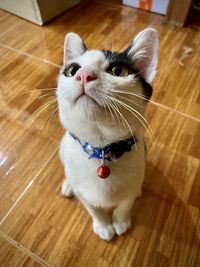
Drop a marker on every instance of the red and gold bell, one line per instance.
(103, 171)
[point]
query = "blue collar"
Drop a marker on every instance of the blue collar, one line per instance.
(109, 152)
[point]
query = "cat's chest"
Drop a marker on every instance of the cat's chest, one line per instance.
(82, 173)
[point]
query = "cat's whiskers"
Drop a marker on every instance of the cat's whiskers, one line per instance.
(141, 96)
(37, 113)
(133, 94)
(37, 90)
(134, 112)
(50, 94)
(31, 119)
(133, 102)
(137, 95)
(117, 108)
(103, 103)
(116, 104)
(119, 118)
(125, 98)
(106, 104)
(48, 120)
(148, 125)
(110, 106)
(120, 85)
(117, 115)
(106, 110)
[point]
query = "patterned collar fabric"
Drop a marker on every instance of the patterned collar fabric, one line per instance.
(109, 152)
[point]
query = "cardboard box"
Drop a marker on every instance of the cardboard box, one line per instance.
(157, 6)
(37, 11)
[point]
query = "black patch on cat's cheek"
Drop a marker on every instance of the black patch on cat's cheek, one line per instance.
(122, 58)
(147, 88)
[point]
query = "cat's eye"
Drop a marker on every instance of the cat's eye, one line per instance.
(119, 70)
(71, 70)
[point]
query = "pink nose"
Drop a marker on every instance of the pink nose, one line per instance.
(85, 76)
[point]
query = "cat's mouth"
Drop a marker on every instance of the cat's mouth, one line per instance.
(85, 97)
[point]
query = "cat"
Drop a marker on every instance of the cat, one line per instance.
(102, 96)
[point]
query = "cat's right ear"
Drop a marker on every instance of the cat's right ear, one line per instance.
(73, 46)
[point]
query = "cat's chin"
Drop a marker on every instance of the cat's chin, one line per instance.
(87, 105)
(85, 99)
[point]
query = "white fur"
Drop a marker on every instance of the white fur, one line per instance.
(121, 188)
(90, 122)
(144, 52)
(74, 46)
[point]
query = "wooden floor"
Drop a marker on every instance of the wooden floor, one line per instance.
(38, 227)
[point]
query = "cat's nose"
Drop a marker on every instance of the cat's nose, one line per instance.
(85, 76)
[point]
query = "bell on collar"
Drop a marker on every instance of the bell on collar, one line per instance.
(103, 171)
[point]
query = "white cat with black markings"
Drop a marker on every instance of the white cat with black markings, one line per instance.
(102, 96)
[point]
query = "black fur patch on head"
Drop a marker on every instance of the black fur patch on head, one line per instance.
(123, 59)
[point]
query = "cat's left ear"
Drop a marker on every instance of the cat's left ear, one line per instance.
(73, 46)
(144, 53)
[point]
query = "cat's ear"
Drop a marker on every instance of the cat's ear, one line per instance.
(73, 46)
(144, 53)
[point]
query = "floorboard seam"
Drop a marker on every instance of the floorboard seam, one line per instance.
(3, 33)
(23, 249)
(27, 188)
(8, 238)
(175, 111)
(29, 55)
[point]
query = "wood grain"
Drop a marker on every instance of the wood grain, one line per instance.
(25, 143)
(177, 12)
(13, 257)
(57, 231)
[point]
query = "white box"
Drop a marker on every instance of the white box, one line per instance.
(37, 11)
(157, 6)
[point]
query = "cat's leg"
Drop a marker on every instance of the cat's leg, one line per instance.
(102, 224)
(66, 189)
(121, 216)
(61, 150)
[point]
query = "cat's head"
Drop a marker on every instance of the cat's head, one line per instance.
(100, 90)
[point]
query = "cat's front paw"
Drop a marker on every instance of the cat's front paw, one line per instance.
(67, 189)
(105, 232)
(122, 227)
